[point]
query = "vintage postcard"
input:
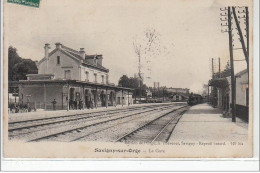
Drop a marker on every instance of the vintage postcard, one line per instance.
(128, 79)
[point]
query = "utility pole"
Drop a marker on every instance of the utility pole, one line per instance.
(208, 92)
(233, 85)
(163, 94)
(219, 67)
(247, 43)
(247, 36)
(241, 34)
(212, 88)
(140, 78)
(226, 14)
(140, 90)
(212, 68)
(137, 48)
(245, 47)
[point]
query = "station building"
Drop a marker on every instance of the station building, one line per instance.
(224, 93)
(70, 76)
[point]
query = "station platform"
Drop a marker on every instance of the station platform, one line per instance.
(202, 122)
(45, 114)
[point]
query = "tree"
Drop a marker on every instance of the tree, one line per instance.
(18, 67)
(123, 81)
(147, 48)
(21, 69)
(225, 73)
(132, 82)
(13, 58)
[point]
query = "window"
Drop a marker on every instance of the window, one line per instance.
(102, 78)
(67, 74)
(107, 79)
(95, 76)
(86, 76)
(58, 60)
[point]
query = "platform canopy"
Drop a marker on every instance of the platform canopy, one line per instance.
(219, 82)
(67, 82)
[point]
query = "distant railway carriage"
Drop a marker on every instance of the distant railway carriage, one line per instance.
(194, 99)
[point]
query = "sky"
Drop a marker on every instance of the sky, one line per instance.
(189, 33)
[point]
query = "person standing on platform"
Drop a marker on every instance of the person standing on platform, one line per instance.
(80, 104)
(54, 104)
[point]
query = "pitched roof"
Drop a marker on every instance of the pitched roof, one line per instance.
(219, 82)
(241, 72)
(52, 52)
(77, 56)
(72, 52)
(92, 56)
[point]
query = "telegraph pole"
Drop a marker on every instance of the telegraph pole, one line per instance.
(208, 91)
(140, 90)
(163, 94)
(232, 66)
(226, 17)
(247, 42)
(212, 88)
(245, 46)
(212, 68)
(240, 34)
(219, 67)
(139, 74)
(247, 36)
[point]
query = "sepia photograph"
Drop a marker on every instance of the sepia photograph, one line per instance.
(128, 79)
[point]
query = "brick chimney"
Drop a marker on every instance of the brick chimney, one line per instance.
(82, 52)
(58, 45)
(46, 50)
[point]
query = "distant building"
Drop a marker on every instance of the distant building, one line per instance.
(70, 76)
(149, 93)
(178, 97)
(178, 90)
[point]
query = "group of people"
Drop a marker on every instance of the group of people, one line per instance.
(90, 103)
(21, 107)
(77, 104)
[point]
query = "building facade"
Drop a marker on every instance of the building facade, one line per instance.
(242, 95)
(72, 79)
(224, 93)
(178, 90)
(179, 97)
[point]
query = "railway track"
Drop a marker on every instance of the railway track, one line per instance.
(32, 124)
(75, 115)
(159, 129)
(109, 129)
(70, 131)
(79, 128)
